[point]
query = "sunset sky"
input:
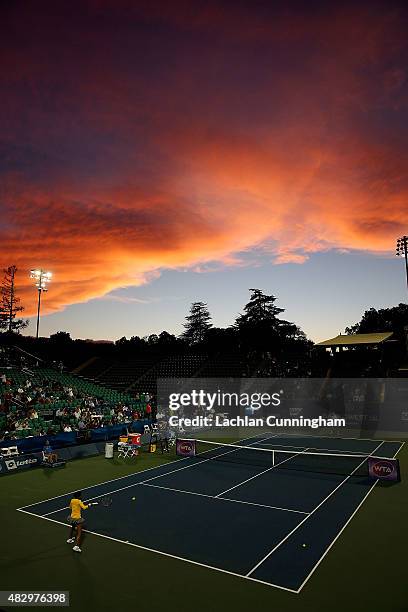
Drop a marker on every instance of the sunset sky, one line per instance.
(155, 153)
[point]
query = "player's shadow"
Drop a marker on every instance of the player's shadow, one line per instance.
(47, 472)
(50, 472)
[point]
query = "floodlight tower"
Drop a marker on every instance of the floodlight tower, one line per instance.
(42, 279)
(402, 250)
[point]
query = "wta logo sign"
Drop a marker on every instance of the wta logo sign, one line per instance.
(186, 448)
(384, 469)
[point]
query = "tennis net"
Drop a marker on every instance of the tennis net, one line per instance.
(301, 460)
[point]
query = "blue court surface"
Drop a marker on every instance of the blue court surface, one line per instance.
(269, 523)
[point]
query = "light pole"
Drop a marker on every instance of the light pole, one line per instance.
(41, 278)
(402, 250)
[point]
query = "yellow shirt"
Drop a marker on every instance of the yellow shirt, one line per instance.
(76, 505)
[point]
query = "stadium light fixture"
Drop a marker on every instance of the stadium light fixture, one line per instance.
(42, 279)
(402, 251)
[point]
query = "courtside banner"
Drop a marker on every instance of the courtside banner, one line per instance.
(185, 448)
(21, 462)
(384, 469)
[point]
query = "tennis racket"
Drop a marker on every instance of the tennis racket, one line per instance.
(105, 501)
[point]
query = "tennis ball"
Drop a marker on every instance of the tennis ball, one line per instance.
(304, 545)
(133, 498)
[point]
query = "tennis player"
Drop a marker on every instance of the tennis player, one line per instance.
(76, 520)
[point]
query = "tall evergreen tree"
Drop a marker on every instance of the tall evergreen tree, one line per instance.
(258, 326)
(260, 308)
(198, 322)
(9, 303)
(265, 338)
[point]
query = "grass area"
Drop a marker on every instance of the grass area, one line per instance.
(365, 569)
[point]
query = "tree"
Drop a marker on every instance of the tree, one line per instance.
(224, 340)
(260, 308)
(393, 319)
(168, 343)
(9, 303)
(269, 343)
(132, 347)
(61, 337)
(198, 323)
(258, 326)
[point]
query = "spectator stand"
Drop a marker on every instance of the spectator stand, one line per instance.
(46, 402)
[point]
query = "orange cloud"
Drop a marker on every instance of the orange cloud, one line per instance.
(178, 138)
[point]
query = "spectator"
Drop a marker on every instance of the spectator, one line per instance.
(48, 453)
(20, 398)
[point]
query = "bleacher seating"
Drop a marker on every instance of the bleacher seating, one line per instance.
(141, 375)
(94, 367)
(121, 375)
(185, 366)
(44, 391)
(222, 366)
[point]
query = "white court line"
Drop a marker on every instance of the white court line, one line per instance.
(177, 557)
(165, 554)
(313, 448)
(99, 484)
(307, 517)
(342, 529)
(301, 435)
(132, 475)
(262, 505)
(238, 501)
(135, 484)
(263, 472)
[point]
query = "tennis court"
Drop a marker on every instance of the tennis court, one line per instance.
(268, 510)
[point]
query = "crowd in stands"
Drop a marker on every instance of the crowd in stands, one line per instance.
(46, 402)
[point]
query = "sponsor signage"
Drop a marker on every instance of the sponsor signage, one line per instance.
(19, 462)
(185, 448)
(384, 469)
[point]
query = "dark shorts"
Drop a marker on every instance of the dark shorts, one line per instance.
(74, 522)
